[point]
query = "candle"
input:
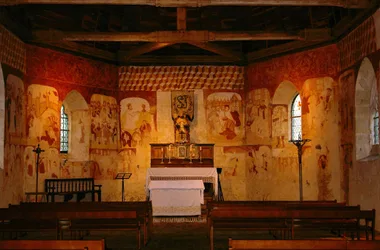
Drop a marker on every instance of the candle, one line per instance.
(200, 148)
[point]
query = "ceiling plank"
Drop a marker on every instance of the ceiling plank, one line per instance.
(127, 55)
(179, 36)
(220, 51)
(200, 3)
(181, 60)
(280, 49)
(181, 18)
(83, 50)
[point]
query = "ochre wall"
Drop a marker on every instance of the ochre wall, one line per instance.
(117, 112)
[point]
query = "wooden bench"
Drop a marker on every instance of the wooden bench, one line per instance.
(345, 219)
(302, 244)
(22, 220)
(143, 209)
(73, 186)
(52, 244)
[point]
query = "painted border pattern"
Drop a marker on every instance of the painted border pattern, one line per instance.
(357, 44)
(152, 78)
(12, 50)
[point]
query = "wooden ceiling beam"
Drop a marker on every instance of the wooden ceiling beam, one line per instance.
(280, 49)
(82, 50)
(197, 36)
(127, 55)
(220, 51)
(181, 60)
(181, 18)
(201, 3)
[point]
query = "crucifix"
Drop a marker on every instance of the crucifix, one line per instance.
(38, 151)
(299, 144)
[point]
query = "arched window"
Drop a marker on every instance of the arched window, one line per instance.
(295, 118)
(64, 131)
(376, 128)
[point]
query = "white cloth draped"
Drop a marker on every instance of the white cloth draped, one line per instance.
(176, 198)
(208, 175)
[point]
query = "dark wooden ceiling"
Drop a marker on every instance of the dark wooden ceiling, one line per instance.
(150, 35)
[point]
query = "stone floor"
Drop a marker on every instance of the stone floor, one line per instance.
(183, 236)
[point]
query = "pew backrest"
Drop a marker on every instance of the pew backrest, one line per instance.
(52, 244)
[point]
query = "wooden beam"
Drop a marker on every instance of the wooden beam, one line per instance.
(127, 55)
(197, 36)
(200, 3)
(181, 18)
(346, 24)
(181, 60)
(82, 50)
(280, 49)
(220, 51)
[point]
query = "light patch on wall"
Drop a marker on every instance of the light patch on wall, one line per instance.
(365, 104)
(2, 117)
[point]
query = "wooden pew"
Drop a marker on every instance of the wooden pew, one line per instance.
(302, 244)
(82, 220)
(52, 244)
(248, 220)
(143, 209)
(286, 244)
(15, 221)
(73, 186)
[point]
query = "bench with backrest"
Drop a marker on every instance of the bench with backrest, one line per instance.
(60, 220)
(72, 186)
(143, 209)
(345, 219)
(302, 244)
(52, 244)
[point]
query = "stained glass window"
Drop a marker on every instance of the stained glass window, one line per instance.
(376, 128)
(296, 125)
(64, 131)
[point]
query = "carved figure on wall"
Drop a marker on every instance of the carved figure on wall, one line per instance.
(182, 114)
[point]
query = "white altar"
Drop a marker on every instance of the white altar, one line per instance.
(207, 175)
(176, 198)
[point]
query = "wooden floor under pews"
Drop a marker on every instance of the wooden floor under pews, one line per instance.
(187, 236)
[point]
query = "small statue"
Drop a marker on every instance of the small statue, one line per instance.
(182, 129)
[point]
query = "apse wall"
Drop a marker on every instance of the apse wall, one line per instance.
(116, 112)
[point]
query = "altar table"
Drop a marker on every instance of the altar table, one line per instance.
(207, 175)
(176, 198)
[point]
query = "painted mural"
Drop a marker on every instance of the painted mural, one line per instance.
(258, 122)
(280, 123)
(104, 122)
(224, 116)
(320, 124)
(136, 123)
(42, 115)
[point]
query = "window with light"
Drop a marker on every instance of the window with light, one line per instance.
(295, 118)
(376, 128)
(64, 148)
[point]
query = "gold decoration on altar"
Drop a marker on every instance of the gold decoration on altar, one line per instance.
(182, 114)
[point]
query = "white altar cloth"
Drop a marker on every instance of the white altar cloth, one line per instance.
(208, 175)
(176, 198)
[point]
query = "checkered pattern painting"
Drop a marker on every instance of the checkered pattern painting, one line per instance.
(358, 44)
(152, 78)
(12, 50)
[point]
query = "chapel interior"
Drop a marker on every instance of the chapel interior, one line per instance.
(201, 110)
